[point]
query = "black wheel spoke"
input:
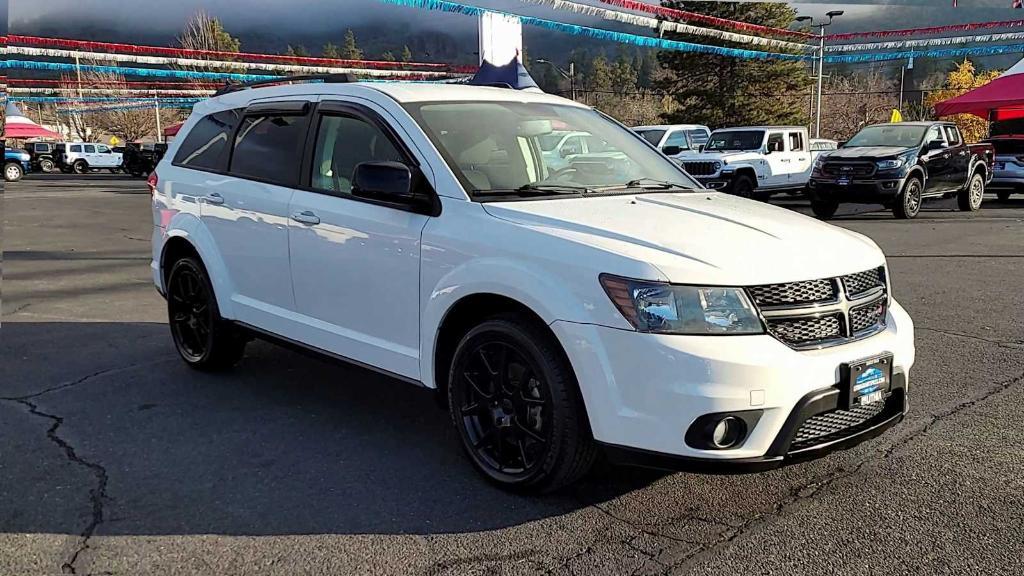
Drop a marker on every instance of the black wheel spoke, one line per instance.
(526, 430)
(476, 387)
(522, 454)
(470, 409)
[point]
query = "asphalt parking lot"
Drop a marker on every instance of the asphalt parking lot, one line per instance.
(117, 459)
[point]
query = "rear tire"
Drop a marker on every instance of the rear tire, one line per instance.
(47, 165)
(969, 199)
(204, 340)
(824, 209)
(908, 202)
(1003, 195)
(743, 187)
(515, 403)
(80, 167)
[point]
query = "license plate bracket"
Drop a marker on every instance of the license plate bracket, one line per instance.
(865, 381)
(843, 181)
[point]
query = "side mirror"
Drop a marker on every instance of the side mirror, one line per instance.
(385, 181)
(841, 143)
(700, 148)
(767, 150)
(935, 145)
(672, 150)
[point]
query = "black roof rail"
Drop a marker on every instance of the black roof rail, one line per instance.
(230, 87)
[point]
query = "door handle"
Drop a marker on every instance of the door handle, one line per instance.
(214, 198)
(306, 217)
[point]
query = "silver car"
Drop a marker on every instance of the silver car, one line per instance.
(1008, 174)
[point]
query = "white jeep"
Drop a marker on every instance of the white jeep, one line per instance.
(81, 157)
(756, 160)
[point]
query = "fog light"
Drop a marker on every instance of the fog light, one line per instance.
(727, 432)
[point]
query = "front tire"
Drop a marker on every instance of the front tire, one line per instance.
(13, 172)
(80, 167)
(515, 402)
(46, 165)
(908, 202)
(204, 340)
(969, 199)
(824, 209)
(743, 187)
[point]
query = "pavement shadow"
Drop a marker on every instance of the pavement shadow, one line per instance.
(283, 444)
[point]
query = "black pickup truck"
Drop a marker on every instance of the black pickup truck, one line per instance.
(900, 165)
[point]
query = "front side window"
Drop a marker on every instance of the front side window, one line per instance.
(952, 136)
(735, 140)
(775, 142)
(269, 148)
(206, 145)
(90, 149)
(76, 148)
(103, 150)
(342, 143)
(495, 149)
(934, 134)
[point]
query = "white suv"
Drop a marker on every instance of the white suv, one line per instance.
(417, 230)
(81, 157)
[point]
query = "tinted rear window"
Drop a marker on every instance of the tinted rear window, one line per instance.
(1008, 146)
(206, 145)
(269, 148)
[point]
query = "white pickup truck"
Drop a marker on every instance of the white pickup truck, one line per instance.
(755, 160)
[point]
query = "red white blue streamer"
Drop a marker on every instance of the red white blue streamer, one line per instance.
(928, 42)
(126, 71)
(936, 53)
(598, 33)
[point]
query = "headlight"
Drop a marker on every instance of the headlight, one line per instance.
(671, 309)
(889, 164)
(718, 165)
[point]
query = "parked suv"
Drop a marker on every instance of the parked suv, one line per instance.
(752, 161)
(417, 230)
(81, 157)
(17, 163)
(899, 166)
(42, 156)
(1008, 172)
(674, 139)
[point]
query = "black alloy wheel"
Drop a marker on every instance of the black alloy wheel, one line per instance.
(515, 403)
(203, 339)
(47, 165)
(908, 203)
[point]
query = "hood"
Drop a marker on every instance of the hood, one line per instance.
(703, 238)
(871, 152)
(721, 156)
(17, 154)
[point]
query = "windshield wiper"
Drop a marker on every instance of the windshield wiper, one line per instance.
(648, 184)
(537, 190)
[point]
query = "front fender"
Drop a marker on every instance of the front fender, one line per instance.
(191, 228)
(550, 299)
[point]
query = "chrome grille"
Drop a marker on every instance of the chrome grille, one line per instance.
(703, 168)
(835, 424)
(866, 317)
(794, 293)
(852, 169)
(796, 331)
(824, 312)
(862, 282)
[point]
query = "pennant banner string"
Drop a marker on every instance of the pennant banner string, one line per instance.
(935, 53)
(664, 12)
(930, 30)
(597, 33)
(668, 26)
(924, 43)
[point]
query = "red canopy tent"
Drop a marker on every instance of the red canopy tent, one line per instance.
(1000, 99)
(172, 130)
(18, 126)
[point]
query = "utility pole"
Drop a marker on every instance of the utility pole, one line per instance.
(159, 132)
(821, 62)
(570, 75)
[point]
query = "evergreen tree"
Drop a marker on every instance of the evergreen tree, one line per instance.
(330, 50)
(726, 91)
(599, 75)
(387, 56)
(349, 49)
(406, 54)
(300, 50)
(623, 75)
(290, 51)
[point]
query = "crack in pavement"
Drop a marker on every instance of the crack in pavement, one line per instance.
(808, 491)
(76, 382)
(97, 495)
(1011, 344)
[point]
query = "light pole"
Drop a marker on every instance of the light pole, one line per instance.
(821, 61)
(570, 75)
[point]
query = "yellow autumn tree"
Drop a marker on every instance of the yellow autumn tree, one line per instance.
(959, 81)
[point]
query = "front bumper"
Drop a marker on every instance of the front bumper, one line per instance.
(869, 191)
(643, 391)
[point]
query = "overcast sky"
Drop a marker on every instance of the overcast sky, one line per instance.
(167, 16)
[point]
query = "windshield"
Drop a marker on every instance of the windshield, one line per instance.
(888, 135)
(652, 136)
(735, 140)
(499, 148)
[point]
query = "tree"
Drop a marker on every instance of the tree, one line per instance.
(406, 54)
(387, 56)
(203, 32)
(599, 75)
(330, 50)
(623, 75)
(727, 91)
(851, 101)
(349, 49)
(961, 80)
(298, 50)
